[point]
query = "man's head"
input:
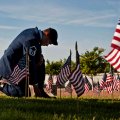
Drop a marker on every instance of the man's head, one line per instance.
(49, 37)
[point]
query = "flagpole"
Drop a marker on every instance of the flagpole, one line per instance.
(60, 91)
(103, 90)
(27, 75)
(119, 84)
(70, 72)
(76, 48)
(112, 73)
(92, 86)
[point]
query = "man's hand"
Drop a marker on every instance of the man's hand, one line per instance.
(3, 80)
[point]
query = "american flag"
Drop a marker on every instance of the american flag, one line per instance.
(114, 59)
(116, 84)
(110, 80)
(18, 74)
(50, 82)
(109, 77)
(62, 77)
(103, 81)
(76, 77)
(96, 88)
(109, 83)
(116, 38)
(87, 86)
(77, 81)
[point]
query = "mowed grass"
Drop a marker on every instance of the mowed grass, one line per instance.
(59, 109)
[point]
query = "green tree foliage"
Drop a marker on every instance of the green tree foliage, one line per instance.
(53, 68)
(92, 62)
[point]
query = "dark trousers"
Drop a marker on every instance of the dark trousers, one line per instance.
(41, 79)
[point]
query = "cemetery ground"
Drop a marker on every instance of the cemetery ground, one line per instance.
(89, 106)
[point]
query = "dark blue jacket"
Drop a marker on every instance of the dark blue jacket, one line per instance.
(28, 38)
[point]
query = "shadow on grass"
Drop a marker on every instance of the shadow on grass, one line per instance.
(36, 108)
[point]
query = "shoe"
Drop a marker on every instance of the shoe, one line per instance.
(44, 94)
(41, 93)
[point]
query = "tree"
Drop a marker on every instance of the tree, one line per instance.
(53, 68)
(92, 62)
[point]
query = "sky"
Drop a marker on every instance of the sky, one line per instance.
(89, 22)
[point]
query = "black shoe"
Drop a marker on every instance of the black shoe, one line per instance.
(44, 94)
(41, 93)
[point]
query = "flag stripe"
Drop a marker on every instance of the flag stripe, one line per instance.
(87, 85)
(77, 81)
(116, 38)
(62, 78)
(112, 54)
(18, 74)
(76, 73)
(114, 59)
(118, 30)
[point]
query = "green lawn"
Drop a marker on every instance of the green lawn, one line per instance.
(58, 109)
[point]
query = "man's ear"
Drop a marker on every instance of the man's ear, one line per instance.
(46, 32)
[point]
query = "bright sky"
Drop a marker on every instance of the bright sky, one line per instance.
(89, 22)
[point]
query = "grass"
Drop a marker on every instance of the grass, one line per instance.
(59, 109)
